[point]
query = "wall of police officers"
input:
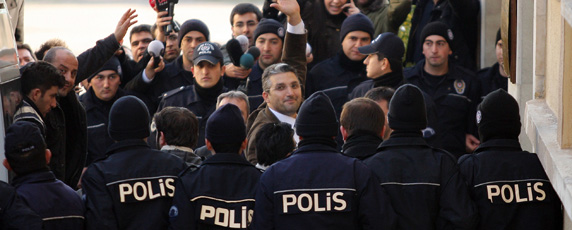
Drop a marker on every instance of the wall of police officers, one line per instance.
(325, 130)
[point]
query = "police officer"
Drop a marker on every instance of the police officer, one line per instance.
(220, 193)
(509, 185)
(14, 213)
(494, 77)
(26, 155)
(132, 188)
(424, 184)
(200, 98)
(317, 187)
(453, 89)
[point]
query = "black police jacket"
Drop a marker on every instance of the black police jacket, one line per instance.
(97, 112)
(66, 137)
(132, 188)
(57, 204)
(424, 184)
(217, 195)
(491, 80)
(455, 99)
(510, 187)
(318, 188)
(14, 213)
(201, 106)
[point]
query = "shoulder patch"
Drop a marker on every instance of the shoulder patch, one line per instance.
(174, 91)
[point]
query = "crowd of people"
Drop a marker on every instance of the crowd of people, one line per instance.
(326, 130)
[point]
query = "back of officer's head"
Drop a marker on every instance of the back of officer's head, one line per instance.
(128, 119)
(362, 116)
(274, 141)
(179, 126)
(498, 117)
(25, 148)
(225, 130)
(317, 117)
(407, 110)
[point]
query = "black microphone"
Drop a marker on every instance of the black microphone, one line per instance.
(234, 51)
(169, 6)
(156, 49)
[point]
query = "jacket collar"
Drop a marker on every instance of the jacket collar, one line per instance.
(508, 144)
(402, 141)
(90, 100)
(227, 158)
(37, 177)
(451, 74)
(130, 143)
(309, 148)
(361, 145)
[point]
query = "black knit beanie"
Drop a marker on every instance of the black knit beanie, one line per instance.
(226, 125)
(498, 37)
(437, 28)
(407, 109)
(498, 116)
(193, 25)
(111, 64)
(128, 119)
(317, 117)
(267, 25)
(356, 22)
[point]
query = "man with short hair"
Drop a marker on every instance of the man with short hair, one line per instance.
(200, 98)
(499, 168)
(362, 126)
(140, 37)
(346, 68)
(27, 156)
(383, 64)
(113, 185)
(172, 49)
(423, 183)
(282, 95)
(244, 19)
(316, 171)
(25, 54)
(236, 179)
(40, 83)
(97, 101)
(382, 95)
(155, 81)
(454, 90)
(177, 133)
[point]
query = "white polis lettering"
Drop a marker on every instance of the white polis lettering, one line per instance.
(511, 193)
(305, 202)
(146, 190)
(226, 217)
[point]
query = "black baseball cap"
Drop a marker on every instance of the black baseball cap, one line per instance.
(207, 51)
(387, 44)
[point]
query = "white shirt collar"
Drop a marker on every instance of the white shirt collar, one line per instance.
(286, 119)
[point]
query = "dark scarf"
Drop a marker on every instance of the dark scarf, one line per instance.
(359, 138)
(392, 79)
(346, 63)
(209, 94)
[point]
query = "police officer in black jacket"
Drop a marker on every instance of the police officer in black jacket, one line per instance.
(509, 185)
(424, 184)
(454, 90)
(220, 193)
(132, 188)
(57, 204)
(14, 213)
(317, 187)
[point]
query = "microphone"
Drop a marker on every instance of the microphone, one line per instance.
(234, 51)
(247, 59)
(156, 49)
(243, 40)
(169, 6)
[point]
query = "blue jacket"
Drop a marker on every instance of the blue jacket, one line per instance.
(132, 188)
(14, 213)
(57, 204)
(218, 194)
(510, 187)
(424, 184)
(319, 188)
